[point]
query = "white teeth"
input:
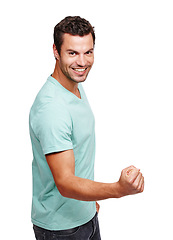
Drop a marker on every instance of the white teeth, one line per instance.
(79, 69)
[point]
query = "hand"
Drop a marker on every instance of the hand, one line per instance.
(97, 207)
(131, 181)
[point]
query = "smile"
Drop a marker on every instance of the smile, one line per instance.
(79, 69)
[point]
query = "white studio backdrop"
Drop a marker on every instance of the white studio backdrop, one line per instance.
(130, 91)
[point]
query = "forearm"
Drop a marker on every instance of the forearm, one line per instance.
(62, 166)
(87, 190)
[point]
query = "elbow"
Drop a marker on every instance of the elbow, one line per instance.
(64, 189)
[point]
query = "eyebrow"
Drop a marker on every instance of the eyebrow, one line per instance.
(71, 50)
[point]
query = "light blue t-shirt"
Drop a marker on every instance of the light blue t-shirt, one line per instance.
(59, 121)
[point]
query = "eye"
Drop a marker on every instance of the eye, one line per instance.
(72, 53)
(89, 52)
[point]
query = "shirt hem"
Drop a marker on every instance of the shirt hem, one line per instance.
(56, 149)
(75, 224)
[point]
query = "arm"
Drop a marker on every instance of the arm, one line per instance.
(62, 166)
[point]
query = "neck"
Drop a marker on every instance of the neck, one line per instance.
(64, 81)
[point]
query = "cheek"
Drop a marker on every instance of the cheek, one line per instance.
(65, 63)
(91, 60)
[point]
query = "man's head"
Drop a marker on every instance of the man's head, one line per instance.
(74, 40)
(73, 26)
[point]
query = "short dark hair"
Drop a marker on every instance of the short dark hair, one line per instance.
(74, 26)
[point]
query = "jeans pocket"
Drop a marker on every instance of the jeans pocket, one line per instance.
(65, 233)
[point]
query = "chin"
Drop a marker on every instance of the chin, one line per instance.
(78, 80)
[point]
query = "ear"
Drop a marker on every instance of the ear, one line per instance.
(55, 52)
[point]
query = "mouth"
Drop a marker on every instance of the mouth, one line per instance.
(79, 71)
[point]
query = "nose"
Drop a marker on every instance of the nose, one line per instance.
(81, 61)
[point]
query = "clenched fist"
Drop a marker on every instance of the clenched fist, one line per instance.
(131, 181)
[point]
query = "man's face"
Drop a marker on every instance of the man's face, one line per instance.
(76, 57)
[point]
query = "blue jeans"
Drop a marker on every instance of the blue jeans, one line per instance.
(87, 231)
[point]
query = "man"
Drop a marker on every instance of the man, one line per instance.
(63, 141)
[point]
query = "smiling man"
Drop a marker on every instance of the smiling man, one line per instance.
(74, 61)
(63, 141)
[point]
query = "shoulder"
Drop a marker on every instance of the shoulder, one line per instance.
(52, 118)
(48, 111)
(48, 100)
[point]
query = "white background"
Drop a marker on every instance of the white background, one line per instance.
(130, 90)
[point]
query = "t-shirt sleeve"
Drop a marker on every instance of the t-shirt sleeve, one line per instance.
(55, 129)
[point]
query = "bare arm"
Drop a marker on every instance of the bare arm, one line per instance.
(62, 166)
